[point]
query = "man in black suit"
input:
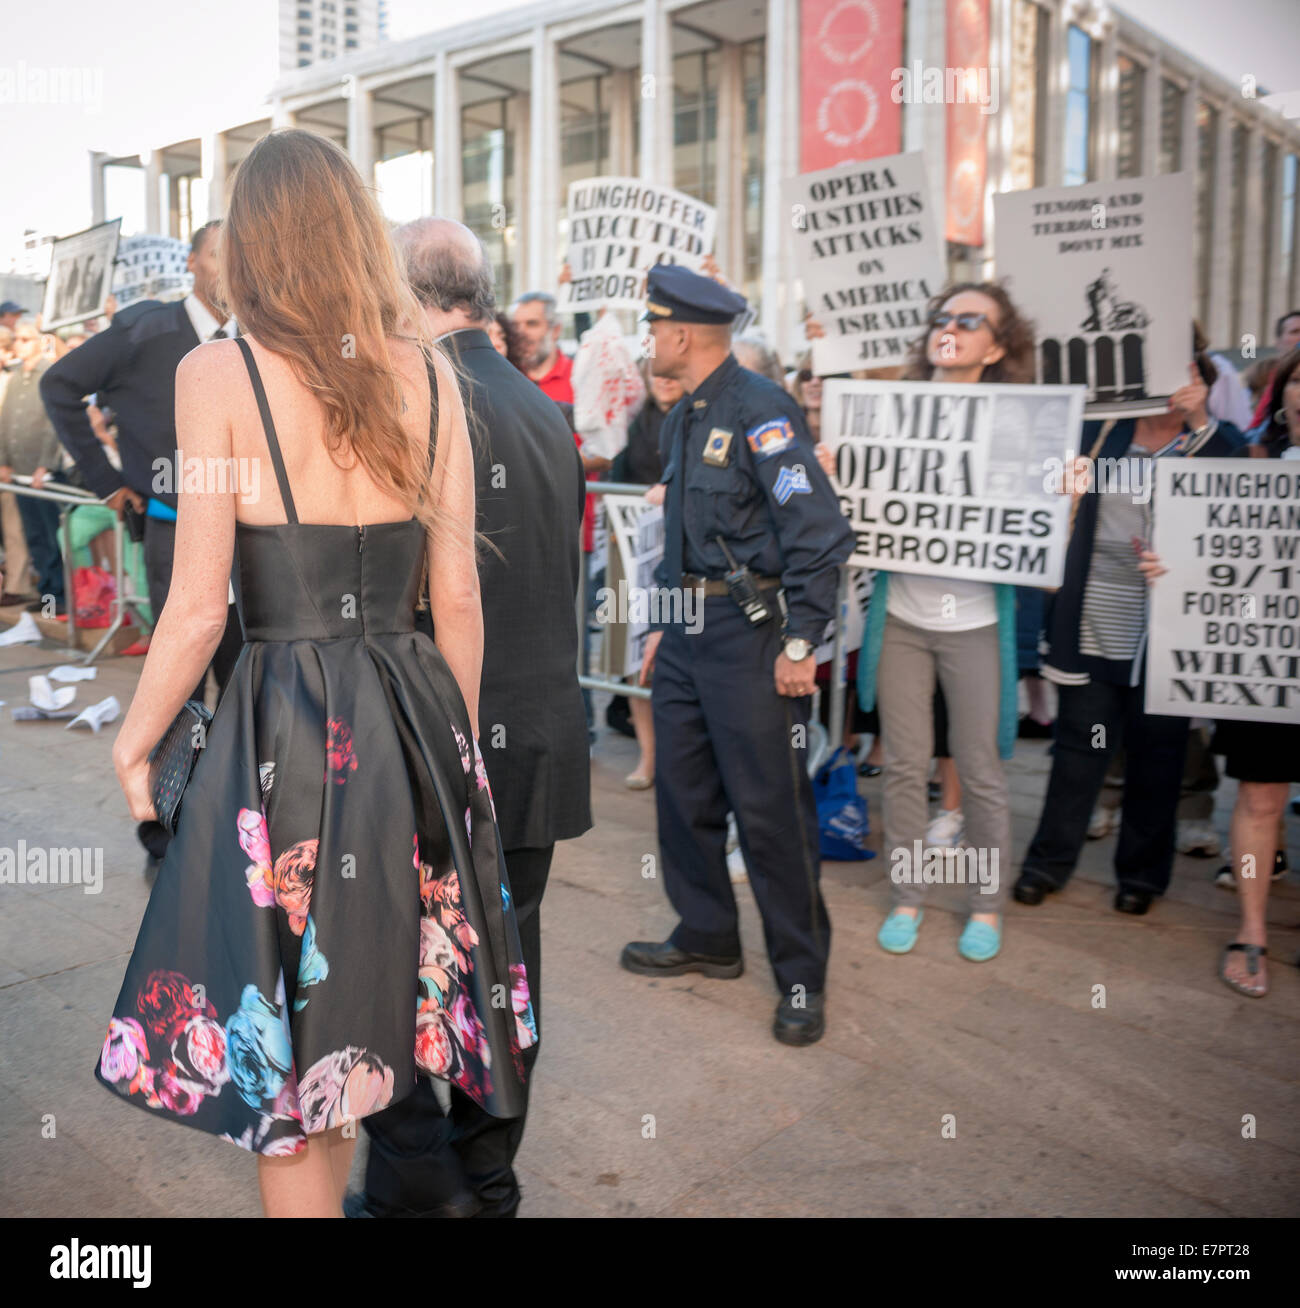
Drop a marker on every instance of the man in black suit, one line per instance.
(533, 729)
(131, 369)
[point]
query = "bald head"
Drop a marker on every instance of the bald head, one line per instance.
(448, 270)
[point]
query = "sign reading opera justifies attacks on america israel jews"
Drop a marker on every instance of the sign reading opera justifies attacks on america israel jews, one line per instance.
(866, 248)
(1225, 619)
(1105, 273)
(620, 227)
(955, 481)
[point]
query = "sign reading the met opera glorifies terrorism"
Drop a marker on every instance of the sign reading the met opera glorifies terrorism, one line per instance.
(955, 481)
(866, 246)
(1105, 272)
(1225, 619)
(619, 227)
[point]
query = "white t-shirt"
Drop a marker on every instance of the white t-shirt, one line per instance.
(941, 603)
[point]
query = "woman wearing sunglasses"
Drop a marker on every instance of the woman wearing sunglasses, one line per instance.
(961, 633)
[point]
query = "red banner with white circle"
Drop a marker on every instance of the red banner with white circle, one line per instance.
(967, 120)
(849, 51)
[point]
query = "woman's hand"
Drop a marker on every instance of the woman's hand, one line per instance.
(1149, 566)
(1189, 401)
(826, 457)
(133, 777)
(655, 495)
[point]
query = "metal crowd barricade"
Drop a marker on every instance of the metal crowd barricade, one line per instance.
(74, 497)
(821, 742)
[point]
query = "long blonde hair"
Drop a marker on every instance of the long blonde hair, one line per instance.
(308, 268)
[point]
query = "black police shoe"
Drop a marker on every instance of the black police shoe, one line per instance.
(648, 958)
(1133, 901)
(803, 1024)
(1030, 890)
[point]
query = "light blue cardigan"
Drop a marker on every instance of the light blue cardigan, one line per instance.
(873, 637)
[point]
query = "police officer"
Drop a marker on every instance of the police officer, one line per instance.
(753, 539)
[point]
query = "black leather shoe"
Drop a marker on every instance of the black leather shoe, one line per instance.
(1030, 890)
(649, 958)
(802, 1025)
(356, 1204)
(1133, 901)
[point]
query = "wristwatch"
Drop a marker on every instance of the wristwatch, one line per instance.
(797, 649)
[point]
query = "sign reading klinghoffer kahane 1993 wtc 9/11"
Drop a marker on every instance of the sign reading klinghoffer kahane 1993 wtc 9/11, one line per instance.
(620, 227)
(1105, 273)
(1225, 619)
(866, 247)
(955, 481)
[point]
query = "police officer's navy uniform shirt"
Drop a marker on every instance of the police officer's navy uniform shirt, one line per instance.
(763, 492)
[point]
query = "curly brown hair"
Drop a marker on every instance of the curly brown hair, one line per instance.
(1275, 435)
(1014, 332)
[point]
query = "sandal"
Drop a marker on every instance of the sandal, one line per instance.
(1253, 954)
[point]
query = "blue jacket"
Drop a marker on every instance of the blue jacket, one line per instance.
(873, 637)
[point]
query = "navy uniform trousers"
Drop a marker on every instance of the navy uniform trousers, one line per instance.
(725, 740)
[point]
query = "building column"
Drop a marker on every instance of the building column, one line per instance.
(361, 131)
(623, 85)
(1058, 84)
(1219, 327)
(543, 163)
(281, 116)
(1190, 149)
(780, 160)
(1107, 108)
(213, 149)
(98, 204)
(522, 216)
(448, 200)
(1151, 87)
(729, 166)
(1279, 301)
(173, 204)
(657, 94)
(152, 199)
(1253, 252)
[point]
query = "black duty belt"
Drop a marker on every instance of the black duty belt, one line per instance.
(712, 586)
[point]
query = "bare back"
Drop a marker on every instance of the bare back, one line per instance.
(323, 491)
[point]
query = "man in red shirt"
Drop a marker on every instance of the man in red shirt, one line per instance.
(538, 325)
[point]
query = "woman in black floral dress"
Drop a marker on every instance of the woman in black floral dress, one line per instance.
(332, 919)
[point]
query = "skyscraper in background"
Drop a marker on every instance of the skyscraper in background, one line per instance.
(312, 31)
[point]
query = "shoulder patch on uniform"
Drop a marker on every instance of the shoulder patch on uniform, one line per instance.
(791, 481)
(771, 438)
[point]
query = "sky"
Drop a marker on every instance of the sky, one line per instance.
(145, 71)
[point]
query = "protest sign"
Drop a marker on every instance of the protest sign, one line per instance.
(619, 227)
(1225, 620)
(80, 276)
(866, 247)
(1105, 272)
(955, 481)
(151, 268)
(636, 544)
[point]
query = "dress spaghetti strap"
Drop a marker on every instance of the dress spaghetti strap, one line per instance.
(272, 444)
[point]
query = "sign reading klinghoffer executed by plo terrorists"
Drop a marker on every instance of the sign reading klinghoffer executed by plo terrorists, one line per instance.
(1225, 619)
(1105, 272)
(955, 481)
(866, 246)
(619, 227)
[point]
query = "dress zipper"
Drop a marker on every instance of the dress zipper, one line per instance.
(361, 538)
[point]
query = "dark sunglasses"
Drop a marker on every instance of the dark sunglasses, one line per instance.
(805, 375)
(968, 322)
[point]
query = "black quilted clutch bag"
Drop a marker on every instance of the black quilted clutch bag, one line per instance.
(172, 760)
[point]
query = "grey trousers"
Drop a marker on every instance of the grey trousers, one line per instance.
(968, 667)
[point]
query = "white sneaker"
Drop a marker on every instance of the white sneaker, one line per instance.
(946, 831)
(1104, 820)
(1198, 838)
(736, 867)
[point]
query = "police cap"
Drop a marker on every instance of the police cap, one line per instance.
(676, 294)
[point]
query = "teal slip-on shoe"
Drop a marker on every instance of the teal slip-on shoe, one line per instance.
(979, 941)
(898, 933)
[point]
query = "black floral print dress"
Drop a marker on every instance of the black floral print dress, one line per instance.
(333, 917)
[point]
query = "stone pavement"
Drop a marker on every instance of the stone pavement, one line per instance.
(671, 1098)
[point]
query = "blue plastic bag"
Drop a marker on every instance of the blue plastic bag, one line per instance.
(841, 812)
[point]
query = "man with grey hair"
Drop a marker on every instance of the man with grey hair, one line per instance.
(538, 323)
(530, 493)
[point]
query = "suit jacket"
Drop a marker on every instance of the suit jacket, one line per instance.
(131, 368)
(532, 723)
